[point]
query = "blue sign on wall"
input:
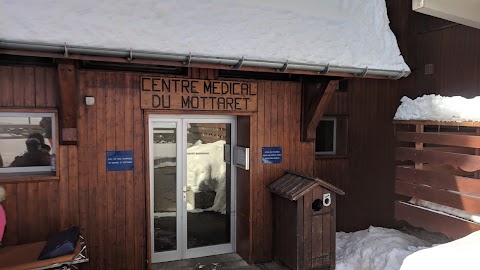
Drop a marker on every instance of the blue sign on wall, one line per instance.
(119, 160)
(272, 155)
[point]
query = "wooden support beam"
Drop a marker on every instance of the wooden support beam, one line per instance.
(477, 152)
(419, 145)
(68, 107)
(316, 94)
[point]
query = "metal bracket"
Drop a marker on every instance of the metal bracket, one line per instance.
(239, 64)
(284, 68)
(400, 75)
(130, 57)
(189, 59)
(65, 53)
(363, 74)
(326, 70)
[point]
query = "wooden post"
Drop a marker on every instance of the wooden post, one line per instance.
(68, 107)
(419, 145)
(477, 152)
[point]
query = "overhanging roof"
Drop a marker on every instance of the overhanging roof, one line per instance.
(351, 35)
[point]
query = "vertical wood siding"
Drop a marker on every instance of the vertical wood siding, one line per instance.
(277, 123)
(33, 208)
(113, 216)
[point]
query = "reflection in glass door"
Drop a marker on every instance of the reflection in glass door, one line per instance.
(192, 210)
(165, 198)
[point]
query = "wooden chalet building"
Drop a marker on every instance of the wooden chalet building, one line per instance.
(112, 120)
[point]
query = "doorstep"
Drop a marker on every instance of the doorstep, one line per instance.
(218, 262)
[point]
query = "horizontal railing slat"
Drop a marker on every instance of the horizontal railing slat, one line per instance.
(439, 180)
(434, 222)
(436, 123)
(443, 197)
(440, 138)
(467, 163)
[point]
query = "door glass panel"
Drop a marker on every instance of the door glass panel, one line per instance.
(208, 184)
(165, 186)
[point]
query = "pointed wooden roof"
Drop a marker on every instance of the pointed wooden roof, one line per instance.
(294, 185)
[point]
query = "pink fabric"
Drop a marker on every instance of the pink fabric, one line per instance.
(3, 222)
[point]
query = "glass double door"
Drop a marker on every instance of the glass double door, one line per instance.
(191, 186)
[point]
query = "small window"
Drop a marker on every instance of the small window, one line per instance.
(325, 142)
(27, 142)
(331, 137)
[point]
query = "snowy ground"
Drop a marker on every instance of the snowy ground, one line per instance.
(10, 148)
(439, 108)
(352, 33)
(376, 249)
(459, 254)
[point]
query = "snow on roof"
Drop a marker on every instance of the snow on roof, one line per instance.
(350, 33)
(376, 249)
(439, 108)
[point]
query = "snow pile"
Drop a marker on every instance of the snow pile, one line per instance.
(375, 249)
(439, 108)
(206, 170)
(446, 209)
(353, 33)
(458, 254)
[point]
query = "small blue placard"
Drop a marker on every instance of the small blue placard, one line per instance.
(119, 160)
(272, 155)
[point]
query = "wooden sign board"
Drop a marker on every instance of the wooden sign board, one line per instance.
(165, 93)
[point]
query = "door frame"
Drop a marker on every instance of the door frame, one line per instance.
(182, 251)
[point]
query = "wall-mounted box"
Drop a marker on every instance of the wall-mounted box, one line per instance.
(241, 157)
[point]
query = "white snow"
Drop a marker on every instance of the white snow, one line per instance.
(375, 249)
(459, 254)
(439, 108)
(206, 170)
(353, 33)
(164, 150)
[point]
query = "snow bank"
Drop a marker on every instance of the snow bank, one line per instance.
(206, 170)
(439, 108)
(352, 33)
(458, 254)
(375, 249)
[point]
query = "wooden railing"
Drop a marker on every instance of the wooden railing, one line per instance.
(438, 162)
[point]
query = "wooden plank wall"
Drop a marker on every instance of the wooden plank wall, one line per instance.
(367, 172)
(114, 213)
(442, 163)
(453, 51)
(108, 207)
(277, 123)
(33, 208)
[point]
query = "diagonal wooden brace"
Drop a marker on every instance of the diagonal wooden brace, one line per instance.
(316, 95)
